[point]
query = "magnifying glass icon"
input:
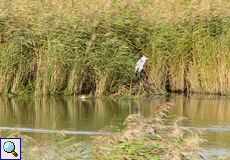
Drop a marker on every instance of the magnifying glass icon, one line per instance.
(9, 147)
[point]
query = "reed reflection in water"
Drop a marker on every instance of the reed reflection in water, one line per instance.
(36, 116)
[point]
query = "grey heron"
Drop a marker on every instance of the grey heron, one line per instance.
(139, 66)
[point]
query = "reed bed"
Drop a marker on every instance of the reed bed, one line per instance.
(91, 47)
(142, 138)
(137, 138)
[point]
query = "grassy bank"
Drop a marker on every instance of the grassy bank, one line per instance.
(76, 47)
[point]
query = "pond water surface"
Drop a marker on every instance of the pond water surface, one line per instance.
(83, 118)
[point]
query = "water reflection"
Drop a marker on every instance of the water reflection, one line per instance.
(37, 116)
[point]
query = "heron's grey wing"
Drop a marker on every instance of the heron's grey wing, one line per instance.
(138, 64)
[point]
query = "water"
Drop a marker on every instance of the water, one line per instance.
(84, 118)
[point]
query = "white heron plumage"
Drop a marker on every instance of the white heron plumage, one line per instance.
(139, 66)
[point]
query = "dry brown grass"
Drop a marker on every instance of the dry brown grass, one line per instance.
(147, 138)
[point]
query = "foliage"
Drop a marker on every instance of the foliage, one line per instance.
(90, 47)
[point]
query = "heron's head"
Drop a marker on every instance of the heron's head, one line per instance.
(144, 58)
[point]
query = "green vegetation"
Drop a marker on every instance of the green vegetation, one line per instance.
(90, 47)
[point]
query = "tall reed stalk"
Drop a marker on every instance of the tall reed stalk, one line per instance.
(75, 47)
